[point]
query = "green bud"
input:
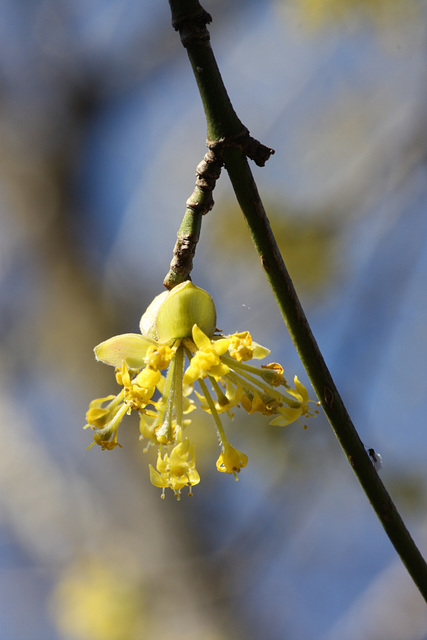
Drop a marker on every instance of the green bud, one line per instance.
(147, 324)
(172, 316)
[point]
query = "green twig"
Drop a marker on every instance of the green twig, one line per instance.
(190, 19)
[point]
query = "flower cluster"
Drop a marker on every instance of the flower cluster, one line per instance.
(179, 326)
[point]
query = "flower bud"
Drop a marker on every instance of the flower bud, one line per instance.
(147, 324)
(173, 315)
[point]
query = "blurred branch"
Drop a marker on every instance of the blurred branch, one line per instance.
(190, 19)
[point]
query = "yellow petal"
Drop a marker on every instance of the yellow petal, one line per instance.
(193, 477)
(221, 346)
(157, 479)
(231, 460)
(219, 371)
(301, 390)
(129, 348)
(259, 351)
(192, 374)
(287, 416)
(200, 339)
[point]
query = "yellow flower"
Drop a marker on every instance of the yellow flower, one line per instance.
(243, 348)
(207, 358)
(231, 460)
(105, 421)
(99, 416)
(287, 415)
(158, 357)
(263, 404)
(106, 439)
(225, 401)
(273, 374)
(176, 470)
(180, 325)
(139, 392)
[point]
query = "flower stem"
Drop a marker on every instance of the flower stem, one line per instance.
(164, 416)
(220, 429)
(178, 373)
(240, 377)
(190, 19)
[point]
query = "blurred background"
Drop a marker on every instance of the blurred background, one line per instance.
(101, 130)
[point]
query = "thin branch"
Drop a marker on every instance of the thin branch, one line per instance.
(198, 204)
(201, 200)
(190, 19)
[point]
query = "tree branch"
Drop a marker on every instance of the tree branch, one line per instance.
(190, 19)
(225, 130)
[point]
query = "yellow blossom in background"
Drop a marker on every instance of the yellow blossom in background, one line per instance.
(96, 601)
(383, 13)
(180, 325)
